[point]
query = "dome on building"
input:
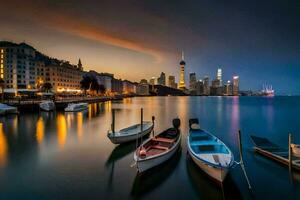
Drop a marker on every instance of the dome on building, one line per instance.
(182, 62)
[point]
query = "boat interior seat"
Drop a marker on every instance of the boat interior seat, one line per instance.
(204, 142)
(210, 149)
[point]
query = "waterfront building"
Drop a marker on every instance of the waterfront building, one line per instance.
(117, 86)
(219, 76)
(228, 89)
(144, 81)
(129, 87)
(17, 65)
(143, 89)
(63, 76)
(182, 73)
(199, 87)
(206, 88)
(193, 82)
(171, 82)
(152, 81)
(162, 79)
(235, 86)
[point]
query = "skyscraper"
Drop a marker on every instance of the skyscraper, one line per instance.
(193, 81)
(152, 81)
(206, 90)
(182, 73)
(171, 82)
(162, 79)
(235, 86)
(219, 76)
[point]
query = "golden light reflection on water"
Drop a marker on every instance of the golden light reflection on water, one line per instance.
(79, 124)
(40, 130)
(61, 124)
(3, 146)
(90, 112)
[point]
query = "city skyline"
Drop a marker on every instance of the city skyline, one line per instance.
(256, 41)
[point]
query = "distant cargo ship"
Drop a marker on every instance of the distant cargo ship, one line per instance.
(267, 91)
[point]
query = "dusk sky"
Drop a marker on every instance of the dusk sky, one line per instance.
(257, 40)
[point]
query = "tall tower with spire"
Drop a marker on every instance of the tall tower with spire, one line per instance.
(79, 64)
(182, 73)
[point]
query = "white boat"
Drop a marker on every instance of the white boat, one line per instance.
(131, 133)
(158, 149)
(296, 149)
(208, 152)
(47, 105)
(6, 109)
(74, 107)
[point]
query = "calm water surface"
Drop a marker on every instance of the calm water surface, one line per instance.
(68, 156)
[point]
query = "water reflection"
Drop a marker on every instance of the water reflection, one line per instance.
(79, 124)
(61, 126)
(3, 146)
(206, 188)
(146, 182)
(40, 130)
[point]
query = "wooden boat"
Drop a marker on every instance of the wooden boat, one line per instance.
(131, 133)
(158, 149)
(208, 152)
(267, 148)
(47, 105)
(6, 109)
(74, 107)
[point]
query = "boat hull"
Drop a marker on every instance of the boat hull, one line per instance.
(218, 174)
(146, 164)
(47, 106)
(76, 109)
(129, 138)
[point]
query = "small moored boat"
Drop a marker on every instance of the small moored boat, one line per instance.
(131, 133)
(6, 109)
(208, 152)
(74, 107)
(159, 148)
(47, 105)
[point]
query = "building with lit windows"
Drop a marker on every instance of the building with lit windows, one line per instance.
(162, 79)
(193, 81)
(171, 82)
(235, 86)
(219, 76)
(18, 65)
(63, 76)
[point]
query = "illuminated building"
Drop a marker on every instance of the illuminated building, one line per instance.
(228, 89)
(129, 87)
(63, 76)
(206, 89)
(193, 82)
(235, 86)
(182, 73)
(143, 89)
(199, 87)
(162, 79)
(152, 81)
(219, 76)
(171, 82)
(17, 65)
(144, 81)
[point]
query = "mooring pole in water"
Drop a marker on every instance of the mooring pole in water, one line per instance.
(113, 121)
(153, 118)
(242, 161)
(142, 124)
(290, 152)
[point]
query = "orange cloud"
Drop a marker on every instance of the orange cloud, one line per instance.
(38, 12)
(85, 30)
